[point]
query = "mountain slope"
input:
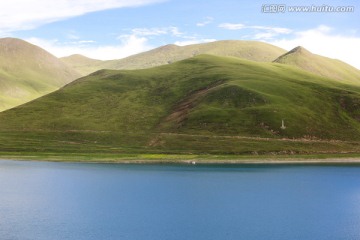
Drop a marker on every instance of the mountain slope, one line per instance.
(323, 66)
(205, 104)
(28, 72)
(251, 50)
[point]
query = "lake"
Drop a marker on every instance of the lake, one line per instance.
(47, 200)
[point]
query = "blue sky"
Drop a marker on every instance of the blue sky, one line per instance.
(110, 29)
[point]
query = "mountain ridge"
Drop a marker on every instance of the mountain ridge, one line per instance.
(251, 50)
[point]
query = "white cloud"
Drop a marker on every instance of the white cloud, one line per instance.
(239, 26)
(323, 41)
(193, 41)
(174, 31)
(28, 14)
(149, 31)
(86, 41)
(72, 36)
(232, 26)
(206, 21)
(128, 45)
(274, 29)
(262, 32)
(265, 35)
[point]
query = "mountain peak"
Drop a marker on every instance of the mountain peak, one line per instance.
(296, 50)
(82, 64)
(79, 57)
(10, 39)
(299, 49)
(323, 66)
(169, 47)
(15, 44)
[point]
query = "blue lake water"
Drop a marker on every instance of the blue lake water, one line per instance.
(44, 200)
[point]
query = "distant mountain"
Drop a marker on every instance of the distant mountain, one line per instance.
(205, 104)
(323, 66)
(250, 50)
(82, 64)
(28, 72)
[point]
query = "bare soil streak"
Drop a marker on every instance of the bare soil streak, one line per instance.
(181, 109)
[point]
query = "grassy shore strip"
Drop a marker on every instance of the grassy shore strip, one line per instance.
(186, 159)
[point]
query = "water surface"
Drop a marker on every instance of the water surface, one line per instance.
(44, 200)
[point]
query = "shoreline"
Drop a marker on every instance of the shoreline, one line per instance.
(243, 160)
(239, 162)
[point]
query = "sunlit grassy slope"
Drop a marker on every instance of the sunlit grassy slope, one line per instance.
(205, 104)
(251, 50)
(28, 72)
(323, 66)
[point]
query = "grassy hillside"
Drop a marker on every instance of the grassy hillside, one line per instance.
(251, 50)
(205, 104)
(28, 72)
(323, 66)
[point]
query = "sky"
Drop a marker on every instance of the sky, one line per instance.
(114, 29)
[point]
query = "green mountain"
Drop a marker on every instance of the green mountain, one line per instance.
(251, 50)
(205, 104)
(323, 66)
(28, 72)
